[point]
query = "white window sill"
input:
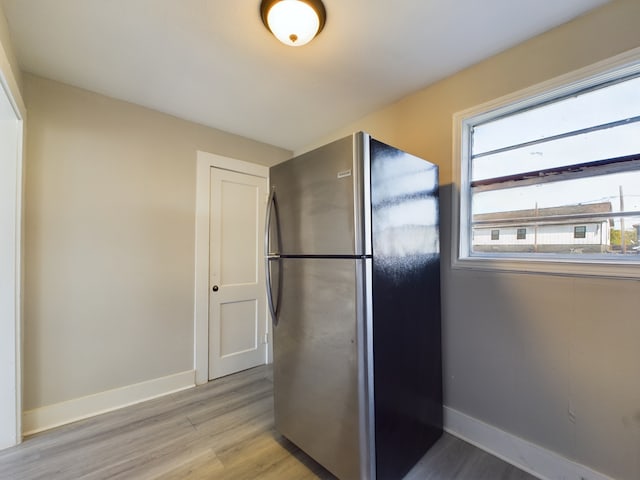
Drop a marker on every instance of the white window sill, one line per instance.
(563, 266)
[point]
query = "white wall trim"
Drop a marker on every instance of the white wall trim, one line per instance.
(205, 161)
(525, 455)
(11, 220)
(72, 410)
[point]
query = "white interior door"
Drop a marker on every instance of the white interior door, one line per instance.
(237, 312)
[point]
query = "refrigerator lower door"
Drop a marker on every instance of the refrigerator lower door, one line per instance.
(322, 396)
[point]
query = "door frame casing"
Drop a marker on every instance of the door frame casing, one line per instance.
(11, 315)
(206, 161)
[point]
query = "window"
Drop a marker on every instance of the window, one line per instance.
(580, 231)
(562, 165)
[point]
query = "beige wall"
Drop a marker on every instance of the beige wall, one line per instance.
(522, 351)
(110, 219)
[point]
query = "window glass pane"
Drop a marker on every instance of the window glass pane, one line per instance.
(597, 107)
(545, 211)
(592, 211)
(598, 145)
(579, 191)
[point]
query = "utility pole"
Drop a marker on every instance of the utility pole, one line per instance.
(623, 240)
(535, 231)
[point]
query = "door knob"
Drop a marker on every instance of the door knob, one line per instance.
(215, 288)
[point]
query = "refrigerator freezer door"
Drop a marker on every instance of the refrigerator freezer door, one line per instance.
(320, 401)
(319, 200)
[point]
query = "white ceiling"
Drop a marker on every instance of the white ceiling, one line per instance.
(213, 62)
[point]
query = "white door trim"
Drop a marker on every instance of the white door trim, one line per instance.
(11, 236)
(201, 301)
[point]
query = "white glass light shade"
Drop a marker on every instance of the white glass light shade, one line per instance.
(293, 22)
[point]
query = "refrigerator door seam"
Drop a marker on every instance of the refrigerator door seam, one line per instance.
(366, 407)
(320, 257)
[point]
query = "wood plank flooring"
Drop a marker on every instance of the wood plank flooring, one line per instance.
(222, 430)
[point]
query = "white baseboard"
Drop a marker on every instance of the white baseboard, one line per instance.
(62, 413)
(525, 455)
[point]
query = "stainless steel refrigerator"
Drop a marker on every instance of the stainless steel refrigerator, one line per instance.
(353, 283)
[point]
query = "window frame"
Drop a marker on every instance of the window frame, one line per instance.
(609, 70)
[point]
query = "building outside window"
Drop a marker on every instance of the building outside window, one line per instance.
(521, 234)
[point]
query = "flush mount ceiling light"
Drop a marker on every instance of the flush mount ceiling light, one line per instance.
(293, 22)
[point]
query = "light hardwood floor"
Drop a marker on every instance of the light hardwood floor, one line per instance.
(222, 430)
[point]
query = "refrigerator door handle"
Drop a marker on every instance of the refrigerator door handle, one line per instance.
(273, 309)
(268, 256)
